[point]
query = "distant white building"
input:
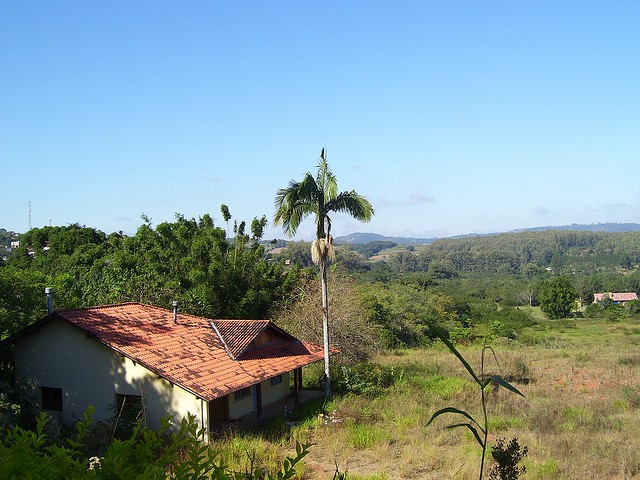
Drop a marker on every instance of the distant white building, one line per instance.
(15, 245)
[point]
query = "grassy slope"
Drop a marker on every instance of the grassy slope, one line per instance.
(580, 417)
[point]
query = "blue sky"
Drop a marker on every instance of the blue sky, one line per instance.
(451, 117)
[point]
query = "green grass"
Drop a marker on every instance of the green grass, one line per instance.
(372, 476)
(363, 436)
(500, 424)
(439, 385)
(579, 417)
(545, 469)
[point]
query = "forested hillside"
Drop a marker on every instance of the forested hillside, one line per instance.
(526, 252)
(215, 272)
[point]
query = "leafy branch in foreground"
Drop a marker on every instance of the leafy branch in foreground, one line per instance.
(180, 454)
(479, 428)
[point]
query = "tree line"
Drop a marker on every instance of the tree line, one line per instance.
(530, 252)
(192, 261)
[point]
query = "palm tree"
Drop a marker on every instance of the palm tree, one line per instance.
(226, 215)
(319, 197)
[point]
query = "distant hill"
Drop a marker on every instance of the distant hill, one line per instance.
(359, 238)
(594, 227)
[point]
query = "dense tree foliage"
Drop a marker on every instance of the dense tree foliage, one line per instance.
(6, 237)
(372, 248)
(213, 272)
(528, 253)
(188, 260)
(557, 297)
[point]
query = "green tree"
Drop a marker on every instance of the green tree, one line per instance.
(319, 197)
(189, 260)
(226, 215)
(298, 253)
(22, 298)
(557, 297)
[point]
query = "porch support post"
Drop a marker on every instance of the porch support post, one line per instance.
(259, 400)
(296, 386)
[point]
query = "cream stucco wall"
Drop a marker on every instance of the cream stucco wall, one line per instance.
(240, 408)
(270, 394)
(277, 392)
(60, 355)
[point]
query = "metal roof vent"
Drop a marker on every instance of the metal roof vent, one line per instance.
(175, 312)
(49, 293)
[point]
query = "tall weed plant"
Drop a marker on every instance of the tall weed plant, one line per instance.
(478, 427)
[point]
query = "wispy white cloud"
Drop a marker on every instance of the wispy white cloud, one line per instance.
(382, 203)
(541, 210)
(619, 206)
(412, 200)
(358, 168)
(417, 198)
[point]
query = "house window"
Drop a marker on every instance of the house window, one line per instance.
(276, 380)
(242, 394)
(129, 407)
(51, 398)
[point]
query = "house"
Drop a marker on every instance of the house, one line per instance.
(614, 297)
(160, 361)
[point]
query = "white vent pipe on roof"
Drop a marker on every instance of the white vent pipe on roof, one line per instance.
(175, 312)
(49, 293)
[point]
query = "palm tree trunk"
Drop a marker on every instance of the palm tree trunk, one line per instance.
(325, 326)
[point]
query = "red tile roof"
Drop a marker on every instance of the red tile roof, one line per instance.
(191, 353)
(615, 297)
(237, 335)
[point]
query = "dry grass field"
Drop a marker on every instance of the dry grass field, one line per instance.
(580, 417)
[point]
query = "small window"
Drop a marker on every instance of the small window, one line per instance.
(129, 410)
(51, 398)
(276, 380)
(242, 394)
(129, 407)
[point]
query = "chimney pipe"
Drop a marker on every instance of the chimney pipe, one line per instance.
(49, 293)
(175, 312)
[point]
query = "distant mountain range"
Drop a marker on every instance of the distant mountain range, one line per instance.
(358, 238)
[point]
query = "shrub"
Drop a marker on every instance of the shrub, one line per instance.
(507, 459)
(593, 310)
(633, 307)
(364, 378)
(180, 454)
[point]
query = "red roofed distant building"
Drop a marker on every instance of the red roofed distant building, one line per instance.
(166, 362)
(615, 297)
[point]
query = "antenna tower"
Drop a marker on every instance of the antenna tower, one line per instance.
(29, 205)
